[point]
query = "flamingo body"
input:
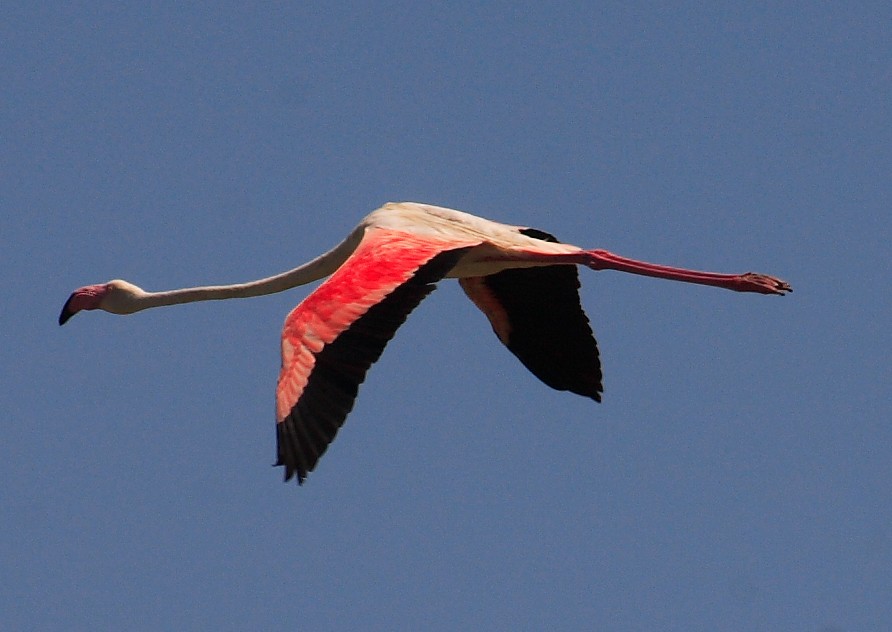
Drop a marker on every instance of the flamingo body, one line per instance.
(522, 279)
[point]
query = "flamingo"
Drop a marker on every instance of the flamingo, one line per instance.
(522, 279)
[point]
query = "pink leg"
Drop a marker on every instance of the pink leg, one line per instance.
(748, 282)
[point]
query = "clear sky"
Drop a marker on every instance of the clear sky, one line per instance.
(738, 474)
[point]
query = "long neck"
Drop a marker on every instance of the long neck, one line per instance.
(318, 268)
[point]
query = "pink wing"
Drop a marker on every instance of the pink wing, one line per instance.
(332, 338)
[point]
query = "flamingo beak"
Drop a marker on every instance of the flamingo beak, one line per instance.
(87, 297)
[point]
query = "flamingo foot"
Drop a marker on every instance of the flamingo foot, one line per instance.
(761, 283)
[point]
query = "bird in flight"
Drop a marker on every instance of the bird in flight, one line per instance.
(522, 279)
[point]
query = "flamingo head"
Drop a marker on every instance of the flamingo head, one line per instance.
(117, 297)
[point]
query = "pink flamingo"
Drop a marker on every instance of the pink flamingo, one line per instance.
(523, 280)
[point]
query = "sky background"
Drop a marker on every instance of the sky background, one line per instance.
(738, 475)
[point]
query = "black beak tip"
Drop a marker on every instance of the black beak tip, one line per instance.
(66, 312)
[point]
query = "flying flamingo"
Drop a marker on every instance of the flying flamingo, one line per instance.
(522, 279)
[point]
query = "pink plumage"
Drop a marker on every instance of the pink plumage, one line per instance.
(384, 261)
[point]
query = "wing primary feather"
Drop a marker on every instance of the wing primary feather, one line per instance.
(537, 314)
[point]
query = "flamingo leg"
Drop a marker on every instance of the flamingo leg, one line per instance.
(747, 282)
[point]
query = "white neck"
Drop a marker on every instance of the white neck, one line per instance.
(318, 268)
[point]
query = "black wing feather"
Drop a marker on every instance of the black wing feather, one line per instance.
(549, 332)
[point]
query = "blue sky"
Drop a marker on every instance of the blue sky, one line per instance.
(737, 475)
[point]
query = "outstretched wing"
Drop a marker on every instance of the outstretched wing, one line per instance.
(332, 338)
(536, 313)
